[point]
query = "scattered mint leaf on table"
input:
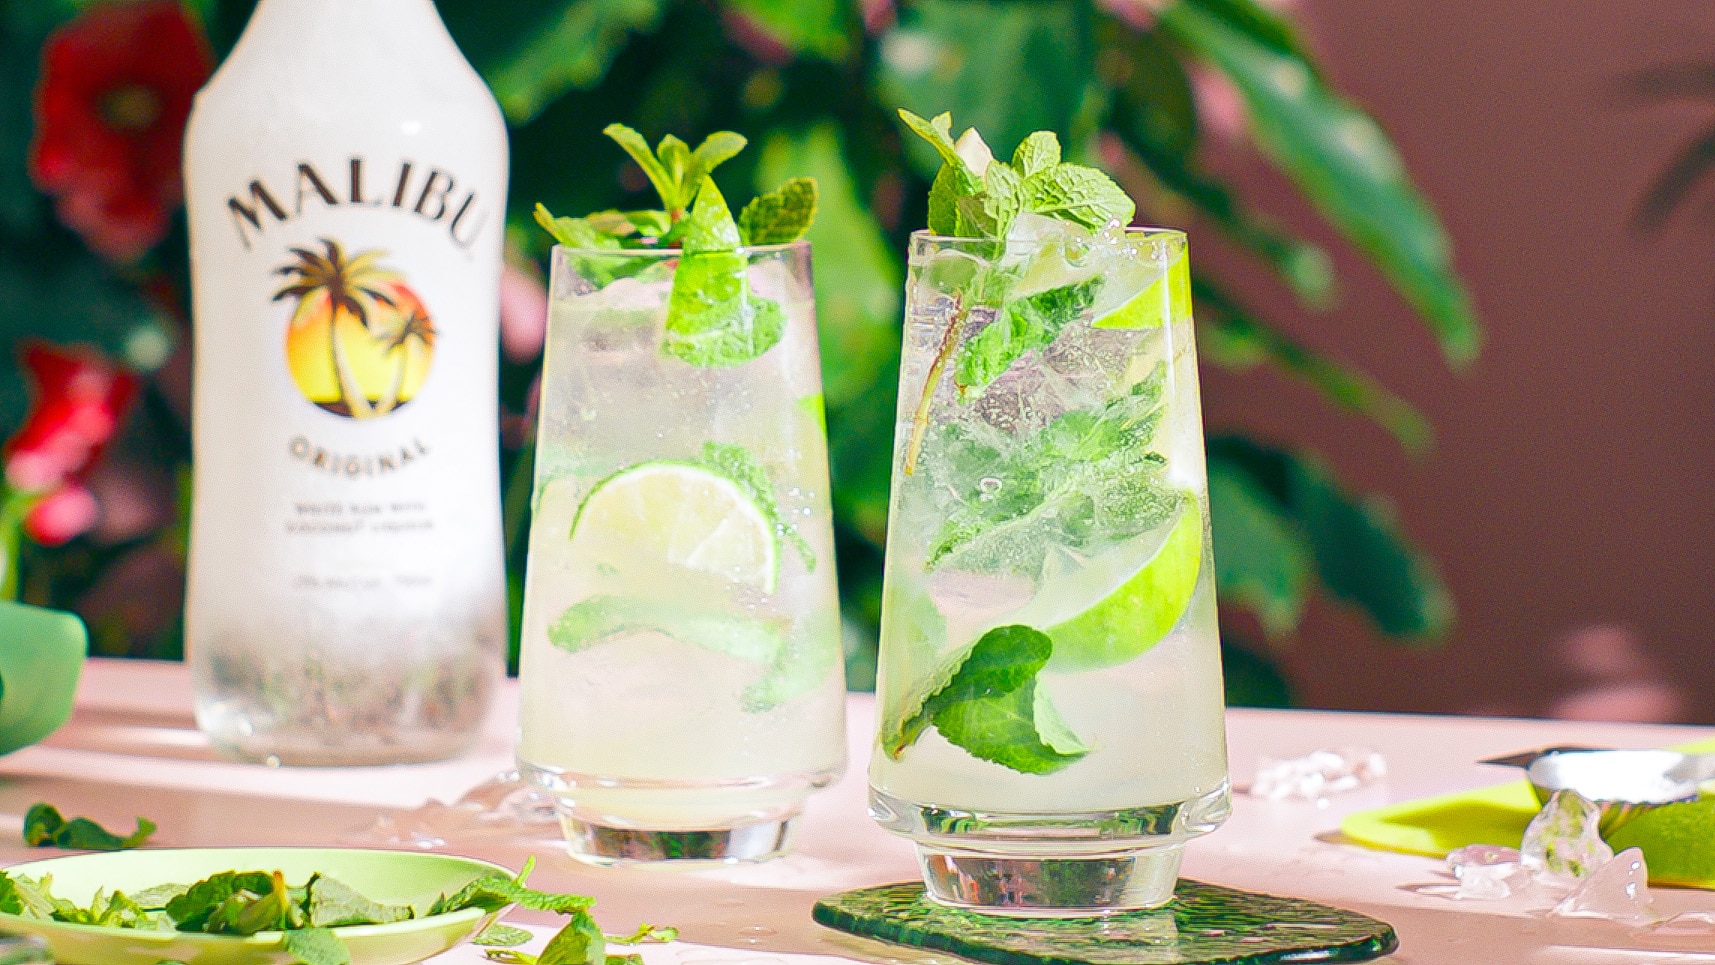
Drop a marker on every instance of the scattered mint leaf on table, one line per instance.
(781, 215)
(45, 827)
(990, 706)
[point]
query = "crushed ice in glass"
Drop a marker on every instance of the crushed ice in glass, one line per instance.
(1486, 871)
(1318, 774)
(1563, 844)
(1617, 890)
(504, 806)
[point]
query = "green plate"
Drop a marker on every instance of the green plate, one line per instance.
(396, 877)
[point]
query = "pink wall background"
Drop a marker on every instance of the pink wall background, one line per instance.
(1568, 498)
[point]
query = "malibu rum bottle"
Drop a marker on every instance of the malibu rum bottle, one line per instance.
(346, 184)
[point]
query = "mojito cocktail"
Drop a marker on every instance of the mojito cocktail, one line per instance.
(1051, 711)
(681, 673)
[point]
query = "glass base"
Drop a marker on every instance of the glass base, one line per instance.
(1050, 887)
(603, 845)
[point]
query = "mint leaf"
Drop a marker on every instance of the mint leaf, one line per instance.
(331, 903)
(716, 149)
(990, 706)
(781, 215)
(492, 892)
(1023, 325)
(595, 618)
(45, 827)
(580, 942)
(713, 319)
(939, 134)
(11, 901)
(1036, 153)
(499, 935)
(192, 909)
(1085, 481)
(990, 212)
(647, 934)
(1073, 192)
(666, 185)
(737, 464)
(579, 236)
(317, 946)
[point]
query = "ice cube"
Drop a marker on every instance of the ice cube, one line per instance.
(1486, 871)
(1562, 844)
(1617, 890)
(1318, 774)
(1051, 252)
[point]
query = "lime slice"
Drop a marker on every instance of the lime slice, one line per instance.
(682, 514)
(1678, 842)
(1165, 300)
(1136, 615)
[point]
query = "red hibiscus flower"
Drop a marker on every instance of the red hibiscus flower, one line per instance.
(81, 400)
(111, 107)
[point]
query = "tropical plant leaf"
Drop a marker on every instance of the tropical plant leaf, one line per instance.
(1344, 163)
(571, 48)
(1670, 188)
(1153, 113)
(1259, 23)
(1262, 562)
(1234, 338)
(819, 28)
(1361, 555)
(1004, 68)
(1251, 679)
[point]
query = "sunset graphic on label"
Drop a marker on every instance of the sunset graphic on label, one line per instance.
(360, 341)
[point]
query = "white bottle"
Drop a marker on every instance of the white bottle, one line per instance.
(346, 184)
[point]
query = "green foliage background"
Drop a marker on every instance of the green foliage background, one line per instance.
(815, 84)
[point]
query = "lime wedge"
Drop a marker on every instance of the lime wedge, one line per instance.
(1164, 301)
(1137, 614)
(682, 514)
(1678, 842)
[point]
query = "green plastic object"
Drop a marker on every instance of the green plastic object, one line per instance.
(1497, 815)
(41, 656)
(1203, 925)
(390, 877)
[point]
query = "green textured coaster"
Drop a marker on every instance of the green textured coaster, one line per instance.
(1203, 925)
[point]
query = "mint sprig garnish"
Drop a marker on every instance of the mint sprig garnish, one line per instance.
(713, 318)
(991, 705)
(978, 196)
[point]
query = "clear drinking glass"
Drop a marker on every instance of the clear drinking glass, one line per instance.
(1050, 695)
(681, 673)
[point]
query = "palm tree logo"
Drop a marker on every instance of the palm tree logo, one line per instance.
(360, 341)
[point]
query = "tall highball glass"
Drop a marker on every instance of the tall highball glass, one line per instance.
(681, 667)
(1051, 712)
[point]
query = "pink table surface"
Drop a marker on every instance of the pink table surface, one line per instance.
(132, 749)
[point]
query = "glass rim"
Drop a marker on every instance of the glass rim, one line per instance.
(925, 236)
(663, 253)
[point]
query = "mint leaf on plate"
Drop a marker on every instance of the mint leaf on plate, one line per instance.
(781, 215)
(991, 707)
(45, 827)
(317, 946)
(331, 903)
(713, 319)
(1023, 325)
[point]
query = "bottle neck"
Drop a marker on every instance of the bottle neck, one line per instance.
(348, 19)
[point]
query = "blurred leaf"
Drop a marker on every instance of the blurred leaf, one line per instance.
(1669, 189)
(1230, 336)
(857, 315)
(1154, 114)
(570, 49)
(1005, 68)
(1261, 560)
(1252, 680)
(1361, 555)
(1341, 159)
(814, 27)
(1259, 23)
